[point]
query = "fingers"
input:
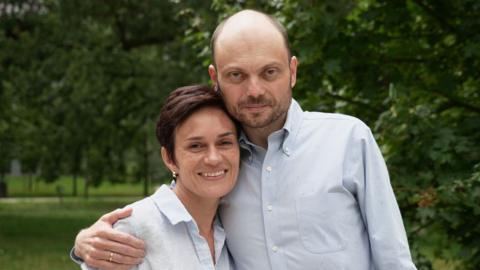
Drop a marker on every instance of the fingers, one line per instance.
(123, 259)
(105, 264)
(115, 215)
(96, 255)
(119, 243)
(82, 243)
(123, 239)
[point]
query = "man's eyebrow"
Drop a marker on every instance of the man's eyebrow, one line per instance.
(230, 68)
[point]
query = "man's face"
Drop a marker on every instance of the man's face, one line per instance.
(255, 77)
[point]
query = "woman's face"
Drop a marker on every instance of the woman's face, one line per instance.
(206, 154)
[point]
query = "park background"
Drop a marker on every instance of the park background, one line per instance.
(82, 82)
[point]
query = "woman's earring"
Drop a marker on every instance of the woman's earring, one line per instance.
(174, 176)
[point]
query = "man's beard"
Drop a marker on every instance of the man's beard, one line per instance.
(255, 120)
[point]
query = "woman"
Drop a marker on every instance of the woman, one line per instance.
(199, 146)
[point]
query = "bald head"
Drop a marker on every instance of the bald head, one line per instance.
(249, 23)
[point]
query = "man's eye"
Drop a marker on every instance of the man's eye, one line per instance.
(235, 76)
(271, 73)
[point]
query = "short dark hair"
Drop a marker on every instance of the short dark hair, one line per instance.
(270, 18)
(179, 105)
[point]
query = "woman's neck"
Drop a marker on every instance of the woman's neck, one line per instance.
(203, 211)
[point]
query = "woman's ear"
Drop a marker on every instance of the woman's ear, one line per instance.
(167, 160)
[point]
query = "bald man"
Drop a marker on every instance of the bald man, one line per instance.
(313, 190)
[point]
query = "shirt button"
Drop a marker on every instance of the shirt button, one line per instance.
(274, 248)
(269, 207)
(269, 168)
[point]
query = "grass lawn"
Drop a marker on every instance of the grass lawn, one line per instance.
(39, 235)
(23, 186)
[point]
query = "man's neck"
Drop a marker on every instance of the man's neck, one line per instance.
(259, 136)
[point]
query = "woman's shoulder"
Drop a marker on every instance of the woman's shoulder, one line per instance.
(145, 217)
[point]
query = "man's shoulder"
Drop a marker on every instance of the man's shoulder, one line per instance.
(332, 118)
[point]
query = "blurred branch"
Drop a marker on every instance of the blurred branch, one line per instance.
(454, 101)
(377, 110)
(428, 9)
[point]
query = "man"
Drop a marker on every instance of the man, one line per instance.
(313, 190)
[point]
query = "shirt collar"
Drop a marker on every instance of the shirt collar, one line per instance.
(169, 204)
(290, 128)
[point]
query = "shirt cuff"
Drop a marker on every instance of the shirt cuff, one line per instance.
(74, 257)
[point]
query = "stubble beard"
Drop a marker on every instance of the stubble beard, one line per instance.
(274, 112)
(261, 119)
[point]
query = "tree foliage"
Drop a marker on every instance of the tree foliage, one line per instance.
(82, 82)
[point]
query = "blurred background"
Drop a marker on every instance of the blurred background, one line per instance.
(82, 82)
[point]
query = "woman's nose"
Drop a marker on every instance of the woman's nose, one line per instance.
(213, 156)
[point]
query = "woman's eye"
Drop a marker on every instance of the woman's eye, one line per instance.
(226, 143)
(195, 146)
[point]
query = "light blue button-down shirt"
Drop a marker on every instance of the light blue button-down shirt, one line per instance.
(172, 239)
(318, 198)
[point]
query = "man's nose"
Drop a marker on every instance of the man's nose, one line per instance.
(255, 88)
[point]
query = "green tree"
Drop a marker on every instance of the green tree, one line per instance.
(88, 79)
(82, 83)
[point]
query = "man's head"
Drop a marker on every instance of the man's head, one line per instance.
(254, 69)
(281, 29)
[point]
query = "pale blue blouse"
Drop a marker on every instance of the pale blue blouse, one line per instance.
(172, 239)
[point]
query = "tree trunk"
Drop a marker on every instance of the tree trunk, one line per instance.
(3, 186)
(145, 167)
(85, 189)
(30, 182)
(35, 183)
(77, 159)
(74, 185)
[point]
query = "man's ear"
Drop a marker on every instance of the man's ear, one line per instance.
(168, 161)
(213, 74)
(293, 71)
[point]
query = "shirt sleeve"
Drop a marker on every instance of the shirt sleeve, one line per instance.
(378, 205)
(84, 266)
